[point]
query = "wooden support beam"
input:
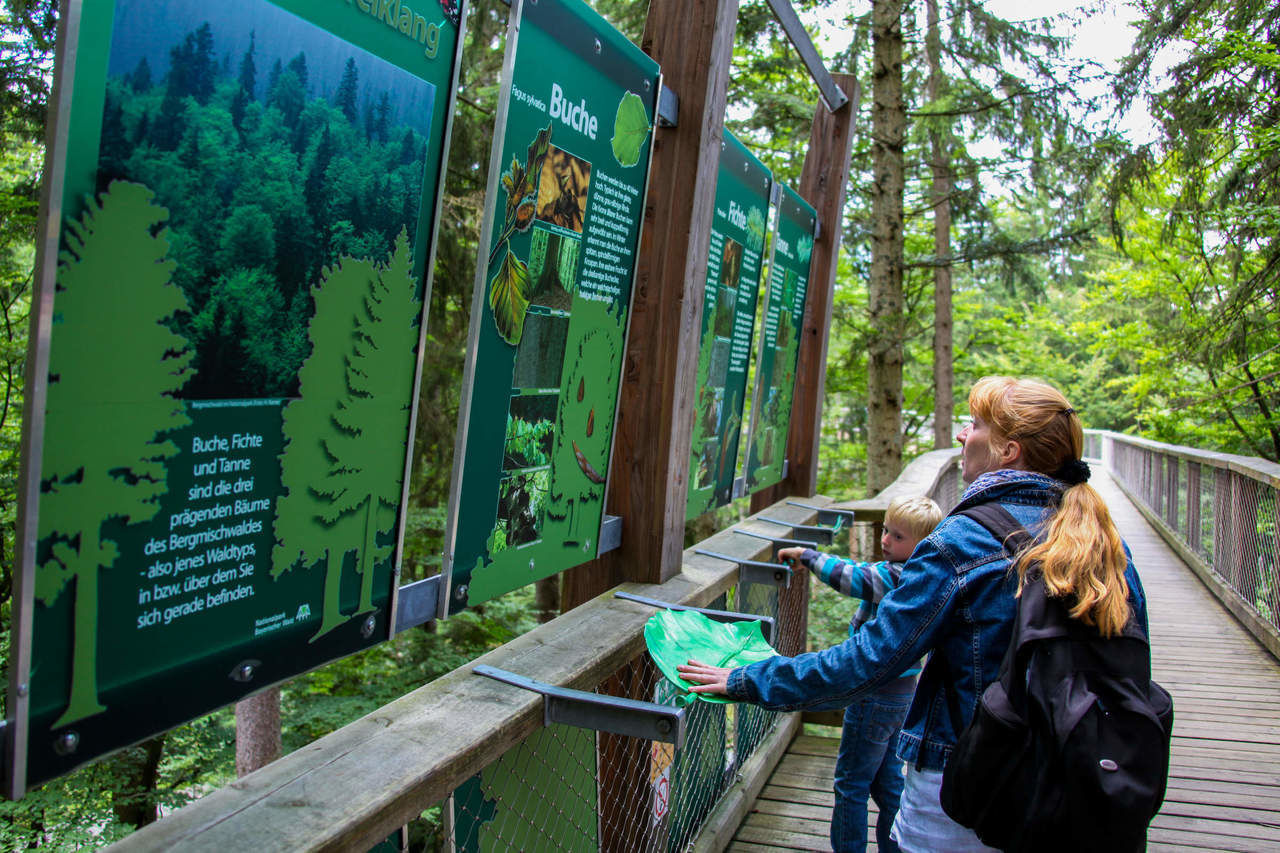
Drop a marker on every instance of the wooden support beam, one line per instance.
(823, 183)
(693, 42)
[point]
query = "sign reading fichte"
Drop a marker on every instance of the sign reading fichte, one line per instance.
(734, 262)
(553, 290)
(226, 356)
(780, 341)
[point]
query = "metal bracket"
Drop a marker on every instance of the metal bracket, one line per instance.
(775, 194)
(826, 515)
(817, 230)
(786, 468)
(766, 622)
(417, 603)
(739, 487)
(755, 571)
(778, 542)
(610, 534)
(832, 95)
(620, 716)
(668, 108)
(808, 532)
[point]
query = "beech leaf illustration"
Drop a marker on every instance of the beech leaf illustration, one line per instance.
(507, 298)
(533, 163)
(804, 248)
(630, 129)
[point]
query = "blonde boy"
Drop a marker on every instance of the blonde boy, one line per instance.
(867, 763)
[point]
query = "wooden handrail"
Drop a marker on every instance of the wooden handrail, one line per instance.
(921, 477)
(353, 787)
(1251, 466)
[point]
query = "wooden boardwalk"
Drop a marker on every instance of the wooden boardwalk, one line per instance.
(1224, 785)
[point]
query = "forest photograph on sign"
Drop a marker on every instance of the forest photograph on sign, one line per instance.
(734, 262)
(553, 290)
(780, 340)
(237, 307)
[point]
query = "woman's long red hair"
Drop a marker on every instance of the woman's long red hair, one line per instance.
(1081, 555)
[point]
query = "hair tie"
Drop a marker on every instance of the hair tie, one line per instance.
(1068, 411)
(1073, 472)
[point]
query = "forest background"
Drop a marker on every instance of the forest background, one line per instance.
(998, 220)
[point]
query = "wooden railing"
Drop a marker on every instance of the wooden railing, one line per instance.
(1217, 510)
(351, 789)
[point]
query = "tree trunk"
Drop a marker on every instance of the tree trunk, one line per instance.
(257, 731)
(884, 362)
(943, 373)
(546, 597)
(134, 802)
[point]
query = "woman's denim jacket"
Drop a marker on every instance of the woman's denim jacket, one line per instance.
(955, 601)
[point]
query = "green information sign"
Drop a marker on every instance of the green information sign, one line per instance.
(780, 341)
(553, 288)
(743, 186)
(226, 355)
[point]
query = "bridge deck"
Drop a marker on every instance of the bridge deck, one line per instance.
(1224, 786)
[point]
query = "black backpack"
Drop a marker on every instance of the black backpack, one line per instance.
(1069, 747)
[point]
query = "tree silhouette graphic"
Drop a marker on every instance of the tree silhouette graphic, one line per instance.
(113, 367)
(354, 391)
(365, 478)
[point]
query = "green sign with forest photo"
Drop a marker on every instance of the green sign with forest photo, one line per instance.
(734, 262)
(780, 340)
(553, 289)
(233, 338)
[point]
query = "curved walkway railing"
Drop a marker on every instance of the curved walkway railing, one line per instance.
(1218, 511)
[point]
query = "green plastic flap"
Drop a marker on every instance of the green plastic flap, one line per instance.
(676, 636)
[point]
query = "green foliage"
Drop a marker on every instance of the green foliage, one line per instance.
(507, 297)
(268, 190)
(630, 130)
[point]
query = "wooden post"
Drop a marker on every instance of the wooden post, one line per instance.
(626, 795)
(1220, 560)
(1244, 500)
(693, 42)
(1195, 537)
(257, 731)
(1158, 481)
(1171, 492)
(823, 182)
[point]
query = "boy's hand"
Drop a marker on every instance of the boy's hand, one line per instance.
(705, 677)
(790, 556)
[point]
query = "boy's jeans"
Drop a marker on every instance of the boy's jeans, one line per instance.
(867, 765)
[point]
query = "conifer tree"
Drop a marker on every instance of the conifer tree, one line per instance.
(114, 366)
(365, 479)
(303, 534)
(345, 98)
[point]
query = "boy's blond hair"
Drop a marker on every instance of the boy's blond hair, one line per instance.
(915, 516)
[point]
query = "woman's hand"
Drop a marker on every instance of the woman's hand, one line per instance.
(705, 677)
(790, 555)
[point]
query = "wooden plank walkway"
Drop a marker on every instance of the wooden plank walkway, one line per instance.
(1224, 786)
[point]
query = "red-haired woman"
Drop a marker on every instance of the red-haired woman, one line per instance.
(956, 601)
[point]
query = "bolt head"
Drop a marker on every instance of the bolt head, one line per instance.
(67, 743)
(664, 727)
(366, 630)
(246, 672)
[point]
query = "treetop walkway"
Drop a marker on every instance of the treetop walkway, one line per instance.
(1203, 531)
(1224, 785)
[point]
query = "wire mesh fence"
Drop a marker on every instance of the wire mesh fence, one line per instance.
(576, 789)
(1221, 511)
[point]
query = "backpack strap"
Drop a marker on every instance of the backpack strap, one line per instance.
(1010, 533)
(1001, 524)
